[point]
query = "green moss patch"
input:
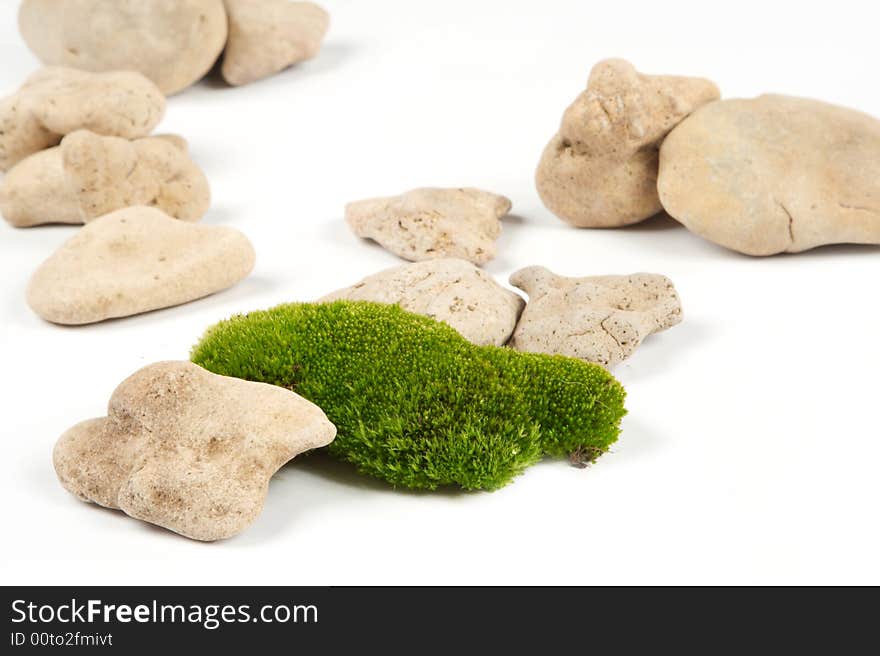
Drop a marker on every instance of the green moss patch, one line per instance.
(416, 404)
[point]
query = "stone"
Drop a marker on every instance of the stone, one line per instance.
(187, 449)
(56, 101)
(601, 319)
(432, 223)
(600, 169)
(173, 43)
(35, 192)
(267, 36)
(449, 290)
(136, 260)
(774, 174)
(88, 176)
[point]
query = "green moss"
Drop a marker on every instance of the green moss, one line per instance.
(415, 403)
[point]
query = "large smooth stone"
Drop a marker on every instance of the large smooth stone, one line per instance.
(774, 174)
(136, 260)
(173, 43)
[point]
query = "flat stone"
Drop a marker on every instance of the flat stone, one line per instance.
(136, 260)
(88, 176)
(774, 174)
(267, 36)
(600, 169)
(448, 290)
(431, 223)
(187, 449)
(173, 43)
(56, 101)
(601, 319)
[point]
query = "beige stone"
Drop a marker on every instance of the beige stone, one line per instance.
(448, 290)
(601, 319)
(173, 43)
(56, 101)
(431, 223)
(600, 169)
(774, 174)
(267, 36)
(35, 191)
(136, 260)
(187, 449)
(88, 176)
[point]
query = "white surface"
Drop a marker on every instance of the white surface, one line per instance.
(750, 452)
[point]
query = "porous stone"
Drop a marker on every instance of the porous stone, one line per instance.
(267, 36)
(136, 260)
(448, 290)
(56, 101)
(88, 176)
(431, 223)
(774, 174)
(601, 319)
(187, 449)
(600, 169)
(172, 43)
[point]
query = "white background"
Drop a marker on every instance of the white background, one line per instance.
(751, 451)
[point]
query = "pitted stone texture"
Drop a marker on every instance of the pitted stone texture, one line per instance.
(601, 319)
(774, 174)
(432, 223)
(174, 43)
(448, 290)
(267, 36)
(600, 170)
(89, 176)
(187, 449)
(56, 101)
(136, 260)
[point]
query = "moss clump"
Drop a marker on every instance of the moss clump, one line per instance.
(415, 403)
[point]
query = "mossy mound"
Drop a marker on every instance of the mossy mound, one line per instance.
(415, 403)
